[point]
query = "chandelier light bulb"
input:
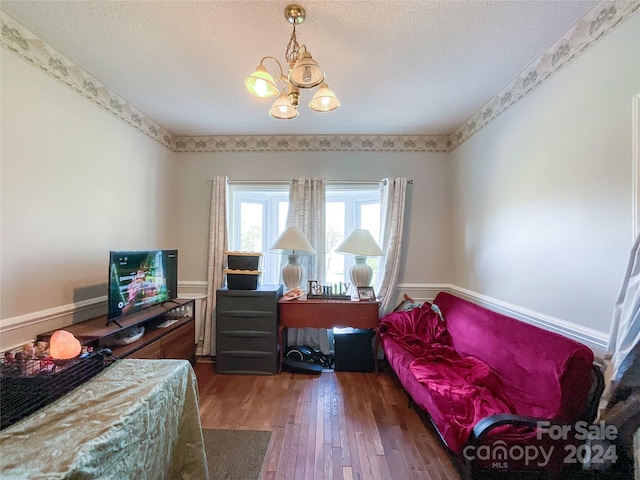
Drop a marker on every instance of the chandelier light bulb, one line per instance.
(261, 88)
(306, 75)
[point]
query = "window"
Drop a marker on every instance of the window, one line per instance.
(349, 208)
(258, 214)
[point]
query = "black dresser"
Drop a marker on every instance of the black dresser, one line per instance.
(246, 330)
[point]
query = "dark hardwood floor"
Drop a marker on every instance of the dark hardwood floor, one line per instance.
(336, 425)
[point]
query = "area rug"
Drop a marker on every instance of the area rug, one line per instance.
(235, 454)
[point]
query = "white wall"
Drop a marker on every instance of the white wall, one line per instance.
(428, 226)
(75, 183)
(543, 193)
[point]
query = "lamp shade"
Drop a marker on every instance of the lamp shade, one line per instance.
(292, 241)
(261, 84)
(282, 108)
(324, 100)
(360, 242)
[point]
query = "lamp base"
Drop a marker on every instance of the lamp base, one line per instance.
(361, 273)
(292, 272)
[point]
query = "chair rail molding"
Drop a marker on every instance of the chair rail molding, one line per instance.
(49, 314)
(192, 288)
(18, 330)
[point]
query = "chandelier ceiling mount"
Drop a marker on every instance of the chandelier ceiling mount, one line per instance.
(303, 73)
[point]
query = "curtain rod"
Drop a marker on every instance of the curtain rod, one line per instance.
(279, 182)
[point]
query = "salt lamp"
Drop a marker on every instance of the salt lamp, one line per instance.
(63, 345)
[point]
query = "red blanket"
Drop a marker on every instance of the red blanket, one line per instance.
(464, 388)
(416, 330)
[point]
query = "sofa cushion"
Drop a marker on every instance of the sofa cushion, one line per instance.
(456, 391)
(464, 389)
(544, 374)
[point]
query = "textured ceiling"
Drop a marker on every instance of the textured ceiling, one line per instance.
(399, 67)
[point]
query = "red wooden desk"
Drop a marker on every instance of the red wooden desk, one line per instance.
(321, 313)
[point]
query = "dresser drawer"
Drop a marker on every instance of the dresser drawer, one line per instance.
(259, 363)
(245, 320)
(246, 330)
(236, 340)
(180, 343)
(230, 302)
(152, 351)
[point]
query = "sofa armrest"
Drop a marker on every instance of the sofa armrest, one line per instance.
(487, 424)
(595, 392)
(484, 426)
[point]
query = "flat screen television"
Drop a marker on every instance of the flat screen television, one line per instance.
(141, 279)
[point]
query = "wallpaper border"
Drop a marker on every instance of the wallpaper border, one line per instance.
(593, 26)
(16, 38)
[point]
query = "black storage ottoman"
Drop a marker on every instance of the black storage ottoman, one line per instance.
(353, 350)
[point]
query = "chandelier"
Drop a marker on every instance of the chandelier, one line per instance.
(304, 72)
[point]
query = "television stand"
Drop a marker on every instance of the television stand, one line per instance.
(175, 341)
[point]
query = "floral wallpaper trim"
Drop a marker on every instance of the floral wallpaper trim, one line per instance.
(599, 21)
(312, 143)
(587, 31)
(19, 40)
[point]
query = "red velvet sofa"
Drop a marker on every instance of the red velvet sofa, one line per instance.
(486, 380)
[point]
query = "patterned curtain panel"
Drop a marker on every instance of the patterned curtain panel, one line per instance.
(307, 211)
(215, 259)
(393, 198)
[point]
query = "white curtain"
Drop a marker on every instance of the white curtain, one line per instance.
(620, 403)
(307, 211)
(393, 193)
(215, 259)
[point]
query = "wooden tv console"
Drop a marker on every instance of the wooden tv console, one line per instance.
(176, 341)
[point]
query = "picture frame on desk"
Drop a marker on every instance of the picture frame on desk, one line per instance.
(366, 294)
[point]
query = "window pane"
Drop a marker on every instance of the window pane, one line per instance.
(335, 235)
(283, 209)
(251, 227)
(370, 219)
(369, 214)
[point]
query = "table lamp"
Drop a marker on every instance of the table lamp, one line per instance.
(293, 243)
(360, 243)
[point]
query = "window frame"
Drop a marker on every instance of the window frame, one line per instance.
(354, 196)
